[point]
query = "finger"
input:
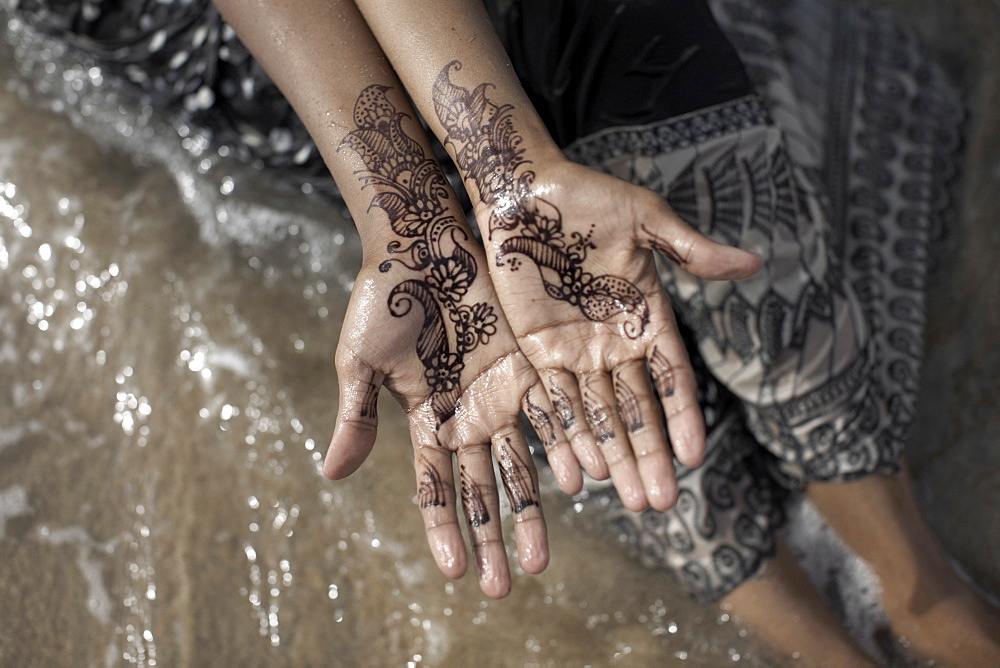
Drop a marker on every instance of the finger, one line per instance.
(564, 393)
(609, 432)
(640, 415)
(667, 234)
(564, 464)
(481, 504)
(521, 484)
(436, 498)
(357, 416)
(675, 383)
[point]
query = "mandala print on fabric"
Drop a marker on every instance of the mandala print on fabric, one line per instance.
(842, 191)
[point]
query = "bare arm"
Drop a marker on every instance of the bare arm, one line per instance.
(570, 252)
(423, 317)
(422, 37)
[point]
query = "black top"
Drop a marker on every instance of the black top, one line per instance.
(593, 64)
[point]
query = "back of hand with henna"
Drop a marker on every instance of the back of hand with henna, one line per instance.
(610, 335)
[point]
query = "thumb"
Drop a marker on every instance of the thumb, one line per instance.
(668, 234)
(357, 416)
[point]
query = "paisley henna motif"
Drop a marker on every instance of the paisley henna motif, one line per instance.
(562, 406)
(597, 416)
(487, 147)
(413, 192)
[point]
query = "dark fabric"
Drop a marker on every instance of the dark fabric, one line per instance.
(593, 64)
(185, 60)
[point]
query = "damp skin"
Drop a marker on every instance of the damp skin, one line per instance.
(537, 252)
(570, 250)
(423, 320)
(429, 248)
(428, 277)
(483, 137)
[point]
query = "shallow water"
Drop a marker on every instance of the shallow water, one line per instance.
(167, 326)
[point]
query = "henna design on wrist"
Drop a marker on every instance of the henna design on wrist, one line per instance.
(413, 192)
(662, 372)
(487, 148)
(430, 490)
(562, 406)
(473, 501)
(521, 489)
(597, 416)
(369, 403)
(628, 405)
(540, 420)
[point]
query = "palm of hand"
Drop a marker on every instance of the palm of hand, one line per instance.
(423, 322)
(466, 408)
(609, 332)
(593, 315)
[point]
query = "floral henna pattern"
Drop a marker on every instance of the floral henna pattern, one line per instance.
(473, 501)
(662, 372)
(487, 147)
(521, 489)
(413, 192)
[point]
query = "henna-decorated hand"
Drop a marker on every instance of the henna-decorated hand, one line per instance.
(424, 321)
(575, 273)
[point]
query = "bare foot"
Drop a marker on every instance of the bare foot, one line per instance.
(788, 615)
(939, 614)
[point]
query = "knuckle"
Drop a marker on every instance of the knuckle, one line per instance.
(435, 522)
(614, 454)
(507, 431)
(679, 408)
(472, 449)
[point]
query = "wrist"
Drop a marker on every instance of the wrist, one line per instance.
(521, 188)
(494, 143)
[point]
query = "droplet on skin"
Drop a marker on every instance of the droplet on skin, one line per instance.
(446, 557)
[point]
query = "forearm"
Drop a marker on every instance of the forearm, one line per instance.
(443, 51)
(322, 55)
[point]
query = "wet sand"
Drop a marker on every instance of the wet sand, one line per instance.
(167, 326)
